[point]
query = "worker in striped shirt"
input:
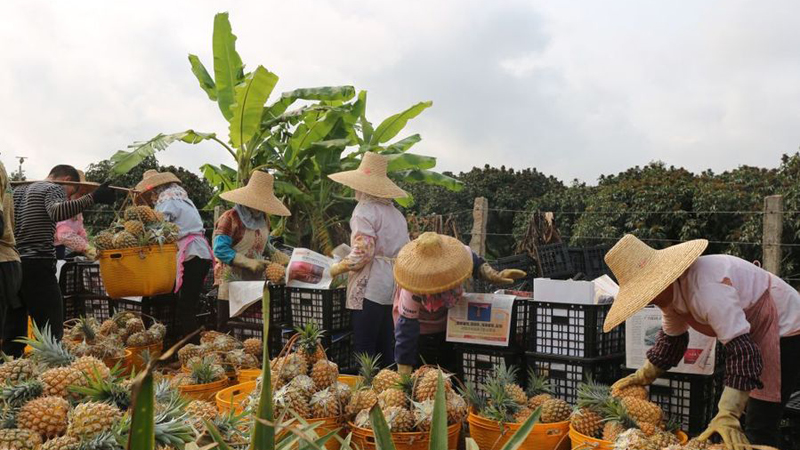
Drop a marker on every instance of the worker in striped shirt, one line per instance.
(38, 208)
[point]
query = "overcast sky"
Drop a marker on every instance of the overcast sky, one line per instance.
(573, 88)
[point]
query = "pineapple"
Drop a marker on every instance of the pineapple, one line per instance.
(309, 343)
(426, 387)
(57, 381)
(134, 227)
(188, 352)
(134, 325)
(290, 398)
(62, 443)
(664, 439)
(612, 430)
(124, 239)
(91, 367)
(539, 389)
(159, 330)
(292, 365)
(643, 411)
(634, 439)
(456, 408)
(240, 359)
(104, 240)
(208, 337)
(587, 422)
(225, 344)
(17, 370)
(279, 257)
(325, 404)
(88, 420)
(423, 414)
(508, 376)
(138, 339)
(635, 391)
(325, 373)
(253, 346)
(19, 440)
(555, 410)
(400, 420)
(142, 213)
(16, 395)
(362, 420)
(522, 414)
(205, 371)
(342, 391)
(617, 418)
(275, 273)
(392, 397)
(199, 410)
(304, 384)
(361, 399)
(385, 379)
(45, 415)
(107, 328)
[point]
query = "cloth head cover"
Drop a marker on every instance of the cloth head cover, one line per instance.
(258, 194)
(644, 272)
(152, 179)
(432, 263)
(370, 177)
(252, 219)
(171, 191)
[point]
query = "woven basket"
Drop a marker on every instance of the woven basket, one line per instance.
(234, 397)
(134, 360)
(583, 442)
(139, 271)
(364, 439)
(492, 435)
(206, 391)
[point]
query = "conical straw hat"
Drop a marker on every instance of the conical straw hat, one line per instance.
(152, 179)
(258, 194)
(86, 186)
(644, 272)
(370, 177)
(432, 263)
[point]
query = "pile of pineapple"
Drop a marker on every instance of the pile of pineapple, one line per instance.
(406, 401)
(139, 226)
(622, 416)
(217, 356)
(56, 400)
(107, 340)
(503, 399)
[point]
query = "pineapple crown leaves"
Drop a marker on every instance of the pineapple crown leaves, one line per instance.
(108, 390)
(368, 367)
(87, 329)
(472, 396)
(406, 384)
(506, 374)
(537, 384)
(16, 395)
(593, 395)
(499, 402)
(206, 371)
(173, 431)
(614, 411)
(46, 348)
(310, 334)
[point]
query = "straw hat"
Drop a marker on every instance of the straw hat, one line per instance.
(152, 179)
(86, 186)
(370, 177)
(644, 272)
(432, 263)
(258, 194)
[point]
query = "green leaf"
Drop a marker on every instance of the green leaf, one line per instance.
(216, 436)
(228, 66)
(264, 435)
(206, 83)
(438, 437)
(284, 188)
(406, 161)
(223, 177)
(429, 177)
(143, 427)
(383, 436)
(123, 161)
(403, 144)
(324, 93)
(250, 99)
(523, 431)
(309, 133)
(393, 124)
(405, 202)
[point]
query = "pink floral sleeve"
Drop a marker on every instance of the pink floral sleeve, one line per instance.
(361, 254)
(73, 241)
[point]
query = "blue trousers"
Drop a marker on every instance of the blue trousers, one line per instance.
(373, 328)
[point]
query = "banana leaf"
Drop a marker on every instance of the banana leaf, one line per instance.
(394, 124)
(228, 66)
(123, 161)
(429, 177)
(410, 161)
(205, 80)
(250, 99)
(403, 145)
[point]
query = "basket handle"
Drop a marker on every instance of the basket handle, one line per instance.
(115, 255)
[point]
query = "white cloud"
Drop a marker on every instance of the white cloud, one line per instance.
(573, 88)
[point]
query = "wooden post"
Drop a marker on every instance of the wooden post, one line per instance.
(480, 219)
(217, 213)
(773, 232)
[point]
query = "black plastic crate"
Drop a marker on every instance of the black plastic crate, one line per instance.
(554, 261)
(595, 261)
(243, 331)
(477, 364)
(566, 329)
(81, 278)
(326, 307)
(565, 374)
(161, 308)
(691, 400)
(433, 349)
(793, 405)
(279, 309)
(76, 306)
(577, 257)
(338, 347)
(522, 262)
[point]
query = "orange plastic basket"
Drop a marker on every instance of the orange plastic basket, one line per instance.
(112, 362)
(134, 360)
(365, 439)
(583, 442)
(349, 380)
(28, 348)
(234, 397)
(139, 271)
(206, 391)
(246, 375)
(492, 435)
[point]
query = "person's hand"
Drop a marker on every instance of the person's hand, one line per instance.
(253, 265)
(338, 269)
(506, 276)
(726, 423)
(404, 369)
(642, 377)
(104, 195)
(91, 253)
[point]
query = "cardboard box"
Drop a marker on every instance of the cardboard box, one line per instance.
(640, 335)
(569, 291)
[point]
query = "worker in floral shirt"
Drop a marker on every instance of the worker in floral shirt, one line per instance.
(377, 232)
(71, 238)
(753, 313)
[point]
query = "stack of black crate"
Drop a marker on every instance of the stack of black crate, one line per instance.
(83, 292)
(250, 323)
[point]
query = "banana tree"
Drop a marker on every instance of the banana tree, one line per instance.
(324, 135)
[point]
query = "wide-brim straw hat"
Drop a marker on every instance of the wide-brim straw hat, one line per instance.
(152, 179)
(259, 194)
(86, 186)
(644, 272)
(370, 177)
(432, 263)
